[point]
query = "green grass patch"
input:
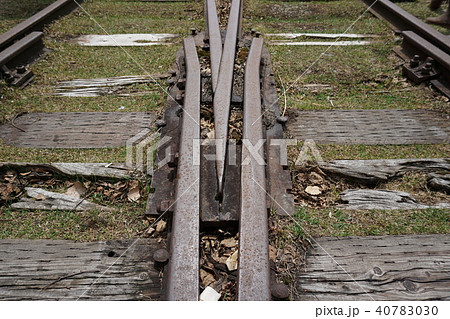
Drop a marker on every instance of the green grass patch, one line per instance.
(335, 222)
(37, 155)
(79, 226)
(365, 152)
(13, 12)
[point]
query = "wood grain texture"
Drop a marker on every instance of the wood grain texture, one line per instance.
(67, 270)
(371, 127)
(367, 199)
(102, 170)
(40, 199)
(439, 182)
(409, 267)
(376, 171)
(75, 129)
(104, 86)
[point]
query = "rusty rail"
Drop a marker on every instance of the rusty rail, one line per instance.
(401, 20)
(13, 60)
(38, 21)
(244, 183)
(215, 40)
(254, 271)
(425, 49)
(183, 268)
(426, 62)
(222, 95)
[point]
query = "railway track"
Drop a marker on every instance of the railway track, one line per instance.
(219, 193)
(22, 44)
(425, 50)
(224, 183)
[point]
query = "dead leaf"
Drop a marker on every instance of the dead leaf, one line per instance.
(10, 176)
(232, 261)
(272, 253)
(160, 226)
(133, 191)
(206, 278)
(77, 190)
(229, 242)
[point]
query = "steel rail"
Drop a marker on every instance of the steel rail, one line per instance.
(37, 21)
(215, 40)
(20, 48)
(401, 20)
(183, 268)
(254, 270)
(414, 46)
(222, 95)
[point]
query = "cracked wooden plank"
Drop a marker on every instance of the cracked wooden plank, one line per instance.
(66, 270)
(102, 170)
(40, 199)
(408, 267)
(105, 86)
(125, 40)
(368, 199)
(376, 171)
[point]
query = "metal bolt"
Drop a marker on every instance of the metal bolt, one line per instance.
(178, 113)
(160, 123)
(427, 68)
(414, 61)
(179, 98)
(161, 256)
(173, 161)
(279, 291)
(193, 31)
(21, 69)
(181, 84)
(8, 77)
(164, 206)
(282, 119)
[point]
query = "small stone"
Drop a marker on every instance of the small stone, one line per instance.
(315, 178)
(232, 261)
(279, 291)
(209, 294)
(313, 190)
(150, 231)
